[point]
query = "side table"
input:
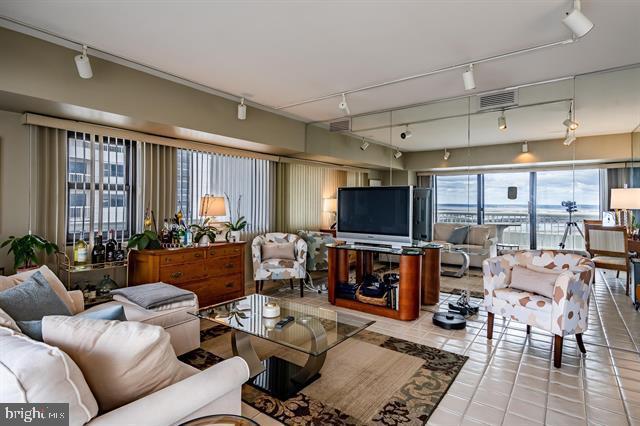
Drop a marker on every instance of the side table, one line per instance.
(221, 419)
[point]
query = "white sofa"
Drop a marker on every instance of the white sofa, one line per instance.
(480, 243)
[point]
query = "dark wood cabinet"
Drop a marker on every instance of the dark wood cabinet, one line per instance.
(215, 273)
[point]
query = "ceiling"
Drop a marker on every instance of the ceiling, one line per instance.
(278, 52)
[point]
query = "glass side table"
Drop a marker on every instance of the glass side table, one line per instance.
(221, 419)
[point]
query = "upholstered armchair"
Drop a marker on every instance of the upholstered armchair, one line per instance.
(563, 314)
(317, 252)
(291, 265)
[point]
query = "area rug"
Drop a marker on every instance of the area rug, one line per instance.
(370, 379)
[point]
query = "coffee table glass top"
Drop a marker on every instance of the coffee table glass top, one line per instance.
(314, 330)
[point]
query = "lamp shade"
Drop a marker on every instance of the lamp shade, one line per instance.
(212, 206)
(330, 205)
(625, 198)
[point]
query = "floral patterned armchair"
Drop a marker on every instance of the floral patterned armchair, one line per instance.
(318, 254)
(565, 314)
(279, 269)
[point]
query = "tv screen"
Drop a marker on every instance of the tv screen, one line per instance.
(380, 210)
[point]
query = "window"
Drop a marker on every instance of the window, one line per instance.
(456, 198)
(100, 193)
(201, 173)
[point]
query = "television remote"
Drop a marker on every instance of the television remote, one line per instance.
(280, 324)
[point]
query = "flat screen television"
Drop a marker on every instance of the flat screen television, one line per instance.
(395, 215)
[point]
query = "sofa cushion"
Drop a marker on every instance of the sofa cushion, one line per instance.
(8, 322)
(537, 282)
(478, 235)
(164, 318)
(32, 300)
(442, 231)
(52, 279)
(278, 251)
(57, 379)
(610, 260)
(525, 299)
(122, 361)
(458, 235)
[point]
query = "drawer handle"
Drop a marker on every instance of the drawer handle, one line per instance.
(167, 259)
(229, 285)
(229, 265)
(176, 274)
(198, 254)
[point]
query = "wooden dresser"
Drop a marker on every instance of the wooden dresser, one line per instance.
(215, 273)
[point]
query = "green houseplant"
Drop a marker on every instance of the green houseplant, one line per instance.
(144, 240)
(234, 226)
(26, 249)
(205, 233)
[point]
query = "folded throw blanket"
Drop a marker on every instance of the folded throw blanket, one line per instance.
(150, 296)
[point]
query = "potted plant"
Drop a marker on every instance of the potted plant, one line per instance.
(144, 240)
(204, 234)
(26, 249)
(234, 226)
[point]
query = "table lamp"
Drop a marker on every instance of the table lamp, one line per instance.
(211, 206)
(623, 200)
(330, 205)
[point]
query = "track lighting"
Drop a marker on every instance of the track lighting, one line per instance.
(397, 154)
(83, 65)
(364, 145)
(525, 147)
(344, 106)
(570, 124)
(468, 79)
(575, 20)
(447, 154)
(406, 134)
(242, 110)
(502, 122)
(569, 138)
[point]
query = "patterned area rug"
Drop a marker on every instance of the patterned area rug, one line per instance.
(369, 379)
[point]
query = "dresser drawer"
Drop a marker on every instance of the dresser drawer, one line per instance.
(176, 274)
(224, 265)
(232, 250)
(216, 290)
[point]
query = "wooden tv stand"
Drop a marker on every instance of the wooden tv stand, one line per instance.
(419, 278)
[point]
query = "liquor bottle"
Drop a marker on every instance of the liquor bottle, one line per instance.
(80, 252)
(119, 254)
(110, 247)
(98, 252)
(165, 235)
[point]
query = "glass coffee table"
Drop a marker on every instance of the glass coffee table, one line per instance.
(313, 331)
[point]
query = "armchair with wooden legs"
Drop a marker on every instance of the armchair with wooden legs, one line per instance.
(564, 314)
(281, 268)
(609, 248)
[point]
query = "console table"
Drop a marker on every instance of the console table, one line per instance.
(419, 277)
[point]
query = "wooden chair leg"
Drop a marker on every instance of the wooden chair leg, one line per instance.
(489, 325)
(557, 351)
(617, 274)
(528, 329)
(628, 282)
(301, 288)
(257, 287)
(580, 343)
(291, 283)
(261, 285)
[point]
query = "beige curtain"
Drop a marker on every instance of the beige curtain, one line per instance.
(357, 179)
(156, 182)
(48, 183)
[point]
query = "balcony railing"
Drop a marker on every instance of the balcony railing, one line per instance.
(514, 228)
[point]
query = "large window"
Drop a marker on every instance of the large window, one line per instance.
(100, 194)
(201, 173)
(457, 198)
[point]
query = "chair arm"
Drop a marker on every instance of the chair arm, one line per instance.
(78, 300)
(492, 245)
(570, 305)
(174, 403)
(301, 251)
(256, 254)
(496, 273)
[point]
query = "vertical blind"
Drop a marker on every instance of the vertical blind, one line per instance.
(201, 173)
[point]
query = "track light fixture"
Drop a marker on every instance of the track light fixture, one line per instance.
(447, 154)
(575, 20)
(569, 138)
(406, 134)
(364, 145)
(525, 147)
(468, 79)
(397, 154)
(502, 122)
(83, 64)
(344, 106)
(570, 124)
(242, 110)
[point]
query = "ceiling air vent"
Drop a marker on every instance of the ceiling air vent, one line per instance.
(498, 100)
(340, 125)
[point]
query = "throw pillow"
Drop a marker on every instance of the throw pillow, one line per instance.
(8, 322)
(33, 329)
(458, 235)
(478, 235)
(32, 371)
(122, 361)
(537, 282)
(52, 280)
(278, 251)
(32, 300)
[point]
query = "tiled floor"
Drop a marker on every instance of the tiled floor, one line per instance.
(511, 380)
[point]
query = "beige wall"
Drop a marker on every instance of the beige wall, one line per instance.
(607, 148)
(14, 178)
